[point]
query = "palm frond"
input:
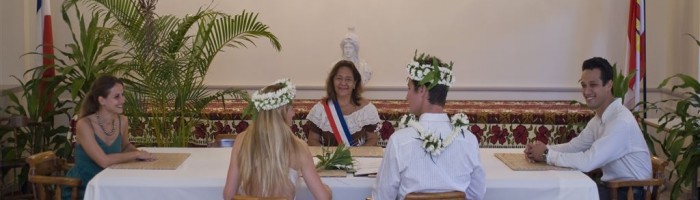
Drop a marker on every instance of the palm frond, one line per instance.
(231, 31)
(166, 63)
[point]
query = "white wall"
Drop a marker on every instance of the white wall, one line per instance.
(527, 49)
(12, 38)
(18, 36)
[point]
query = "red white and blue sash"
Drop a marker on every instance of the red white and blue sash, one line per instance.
(340, 128)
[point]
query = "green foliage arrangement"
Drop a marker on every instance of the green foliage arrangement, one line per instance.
(333, 160)
(681, 145)
(90, 55)
(621, 82)
(38, 106)
(167, 58)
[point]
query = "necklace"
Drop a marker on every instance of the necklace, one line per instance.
(102, 126)
(431, 142)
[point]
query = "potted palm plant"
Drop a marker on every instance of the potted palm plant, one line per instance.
(37, 107)
(39, 103)
(621, 82)
(168, 58)
(681, 143)
(90, 54)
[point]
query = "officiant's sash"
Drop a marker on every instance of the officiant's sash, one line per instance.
(337, 121)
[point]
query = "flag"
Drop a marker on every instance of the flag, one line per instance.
(45, 40)
(636, 35)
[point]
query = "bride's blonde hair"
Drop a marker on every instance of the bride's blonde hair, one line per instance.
(266, 153)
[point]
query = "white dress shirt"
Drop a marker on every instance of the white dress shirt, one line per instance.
(407, 167)
(612, 142)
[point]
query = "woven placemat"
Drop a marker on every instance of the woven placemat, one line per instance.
(517, 162)
(165, 161)
(332, 173)
(354, 151)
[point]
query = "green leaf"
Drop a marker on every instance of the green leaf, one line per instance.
(338, 159)
(165, 58)
(680, 143)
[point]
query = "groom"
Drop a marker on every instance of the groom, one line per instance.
(431, 155)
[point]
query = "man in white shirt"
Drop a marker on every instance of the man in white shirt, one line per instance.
(611, 141)
(413, 164)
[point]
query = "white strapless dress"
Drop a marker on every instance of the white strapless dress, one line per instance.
(294, 177)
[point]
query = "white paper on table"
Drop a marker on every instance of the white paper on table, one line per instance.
(366, 165)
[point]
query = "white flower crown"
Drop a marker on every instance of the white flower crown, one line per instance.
(419, 72)
(272, 100)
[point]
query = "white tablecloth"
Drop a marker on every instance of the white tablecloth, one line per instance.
(203, 174)
(504, 183)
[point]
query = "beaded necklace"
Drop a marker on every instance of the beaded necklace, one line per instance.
(102, 126)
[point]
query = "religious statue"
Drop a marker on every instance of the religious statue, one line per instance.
(350, 48)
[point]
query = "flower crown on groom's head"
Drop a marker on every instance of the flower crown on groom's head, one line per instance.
(429, 69)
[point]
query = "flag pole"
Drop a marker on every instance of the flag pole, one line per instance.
(643, 15)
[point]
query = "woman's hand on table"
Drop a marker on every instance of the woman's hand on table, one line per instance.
(145, 156)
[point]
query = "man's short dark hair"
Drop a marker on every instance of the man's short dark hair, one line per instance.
(437, 95)
(606, 71)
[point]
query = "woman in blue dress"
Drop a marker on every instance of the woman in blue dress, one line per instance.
(102, 137)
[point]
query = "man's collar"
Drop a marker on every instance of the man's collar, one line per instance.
(612, 108)
(434, 117)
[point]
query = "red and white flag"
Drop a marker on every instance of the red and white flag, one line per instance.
(45, 40)
(636, 37)
(45, 34)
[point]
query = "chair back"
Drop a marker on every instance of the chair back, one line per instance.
(452, 195)
(651, 186)
(223, 140)
(46, 176)
(658, 167)
(257, 198)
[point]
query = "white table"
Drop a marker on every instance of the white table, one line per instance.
(203, 174)
(504, 183)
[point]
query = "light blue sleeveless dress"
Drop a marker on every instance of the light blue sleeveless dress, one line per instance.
(85, 168)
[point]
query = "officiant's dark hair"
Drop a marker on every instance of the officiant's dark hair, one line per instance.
(606, 71)
(436, 95)
(356, 95)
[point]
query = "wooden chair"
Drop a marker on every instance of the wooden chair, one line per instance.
(257, 198)
(46, 176)
(650, 186)
(453, 195)
(223, 140)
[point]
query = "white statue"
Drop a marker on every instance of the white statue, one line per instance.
(350, 45)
